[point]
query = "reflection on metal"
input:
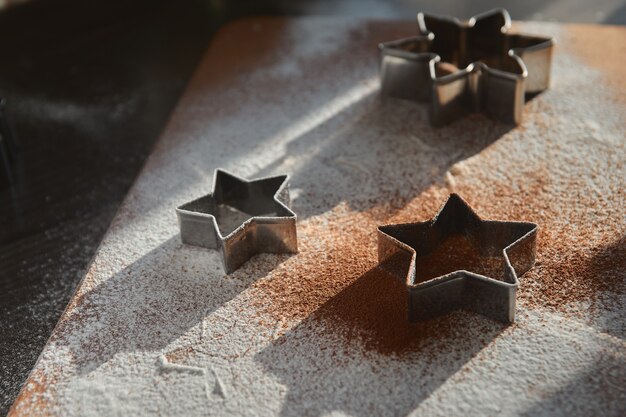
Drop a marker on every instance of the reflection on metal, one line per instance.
(465, 67)
(241, 218)
(511, 244)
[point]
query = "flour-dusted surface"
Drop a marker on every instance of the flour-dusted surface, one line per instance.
(156, 327)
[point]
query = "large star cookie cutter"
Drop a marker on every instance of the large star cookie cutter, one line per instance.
(458, 261)
(466, 67)
(241, 218)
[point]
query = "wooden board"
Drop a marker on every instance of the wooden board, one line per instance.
(155, 326)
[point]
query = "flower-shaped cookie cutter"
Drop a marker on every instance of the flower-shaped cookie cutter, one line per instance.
(466, 67)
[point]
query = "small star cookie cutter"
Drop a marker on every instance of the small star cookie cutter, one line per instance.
(508, 248)
(241, 218)
(467, 67)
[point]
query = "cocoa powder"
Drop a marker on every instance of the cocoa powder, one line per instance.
(374, 311)
(572, 187)
(336, 282)
(340, 287)
(581, 248)
(454, 254)
(584, 43)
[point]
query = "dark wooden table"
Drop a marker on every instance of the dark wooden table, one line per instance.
(89, 87)
(155, 327)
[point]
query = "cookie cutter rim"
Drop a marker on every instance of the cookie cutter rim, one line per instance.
(259, 233)
(448, 93)
(501, 308)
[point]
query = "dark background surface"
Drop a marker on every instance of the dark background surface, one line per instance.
(89, 87)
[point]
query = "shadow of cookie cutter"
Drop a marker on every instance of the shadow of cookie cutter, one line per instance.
(515, 242)
(466, 67)
(269, 227)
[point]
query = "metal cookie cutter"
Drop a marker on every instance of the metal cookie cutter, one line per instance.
(241, 218)
(504, 248)
(465, 67)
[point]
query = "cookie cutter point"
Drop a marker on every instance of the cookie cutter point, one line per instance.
(241, 218)
(401, 246)
(464, 67)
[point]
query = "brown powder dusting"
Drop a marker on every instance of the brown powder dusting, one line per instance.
(332, 254)
(454, 254)
(573, 190)
(580, 274)
(573, 193)
(581, 252)
(333, 278)
(334, 251)
(374, 310)
(34, 397)
(598, 45)
(180, 354)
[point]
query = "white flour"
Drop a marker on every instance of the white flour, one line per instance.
(156, 328)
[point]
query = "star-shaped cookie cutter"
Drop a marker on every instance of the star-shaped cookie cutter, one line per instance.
(466, 67)
(241, 218)
(511, 244)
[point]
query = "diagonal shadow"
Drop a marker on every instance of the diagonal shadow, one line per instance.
(152, 302)
(159, 297)
(348, 152)
(376, 152)
(358, 354)
(605, 272)
(598, 391)
(371, 152)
